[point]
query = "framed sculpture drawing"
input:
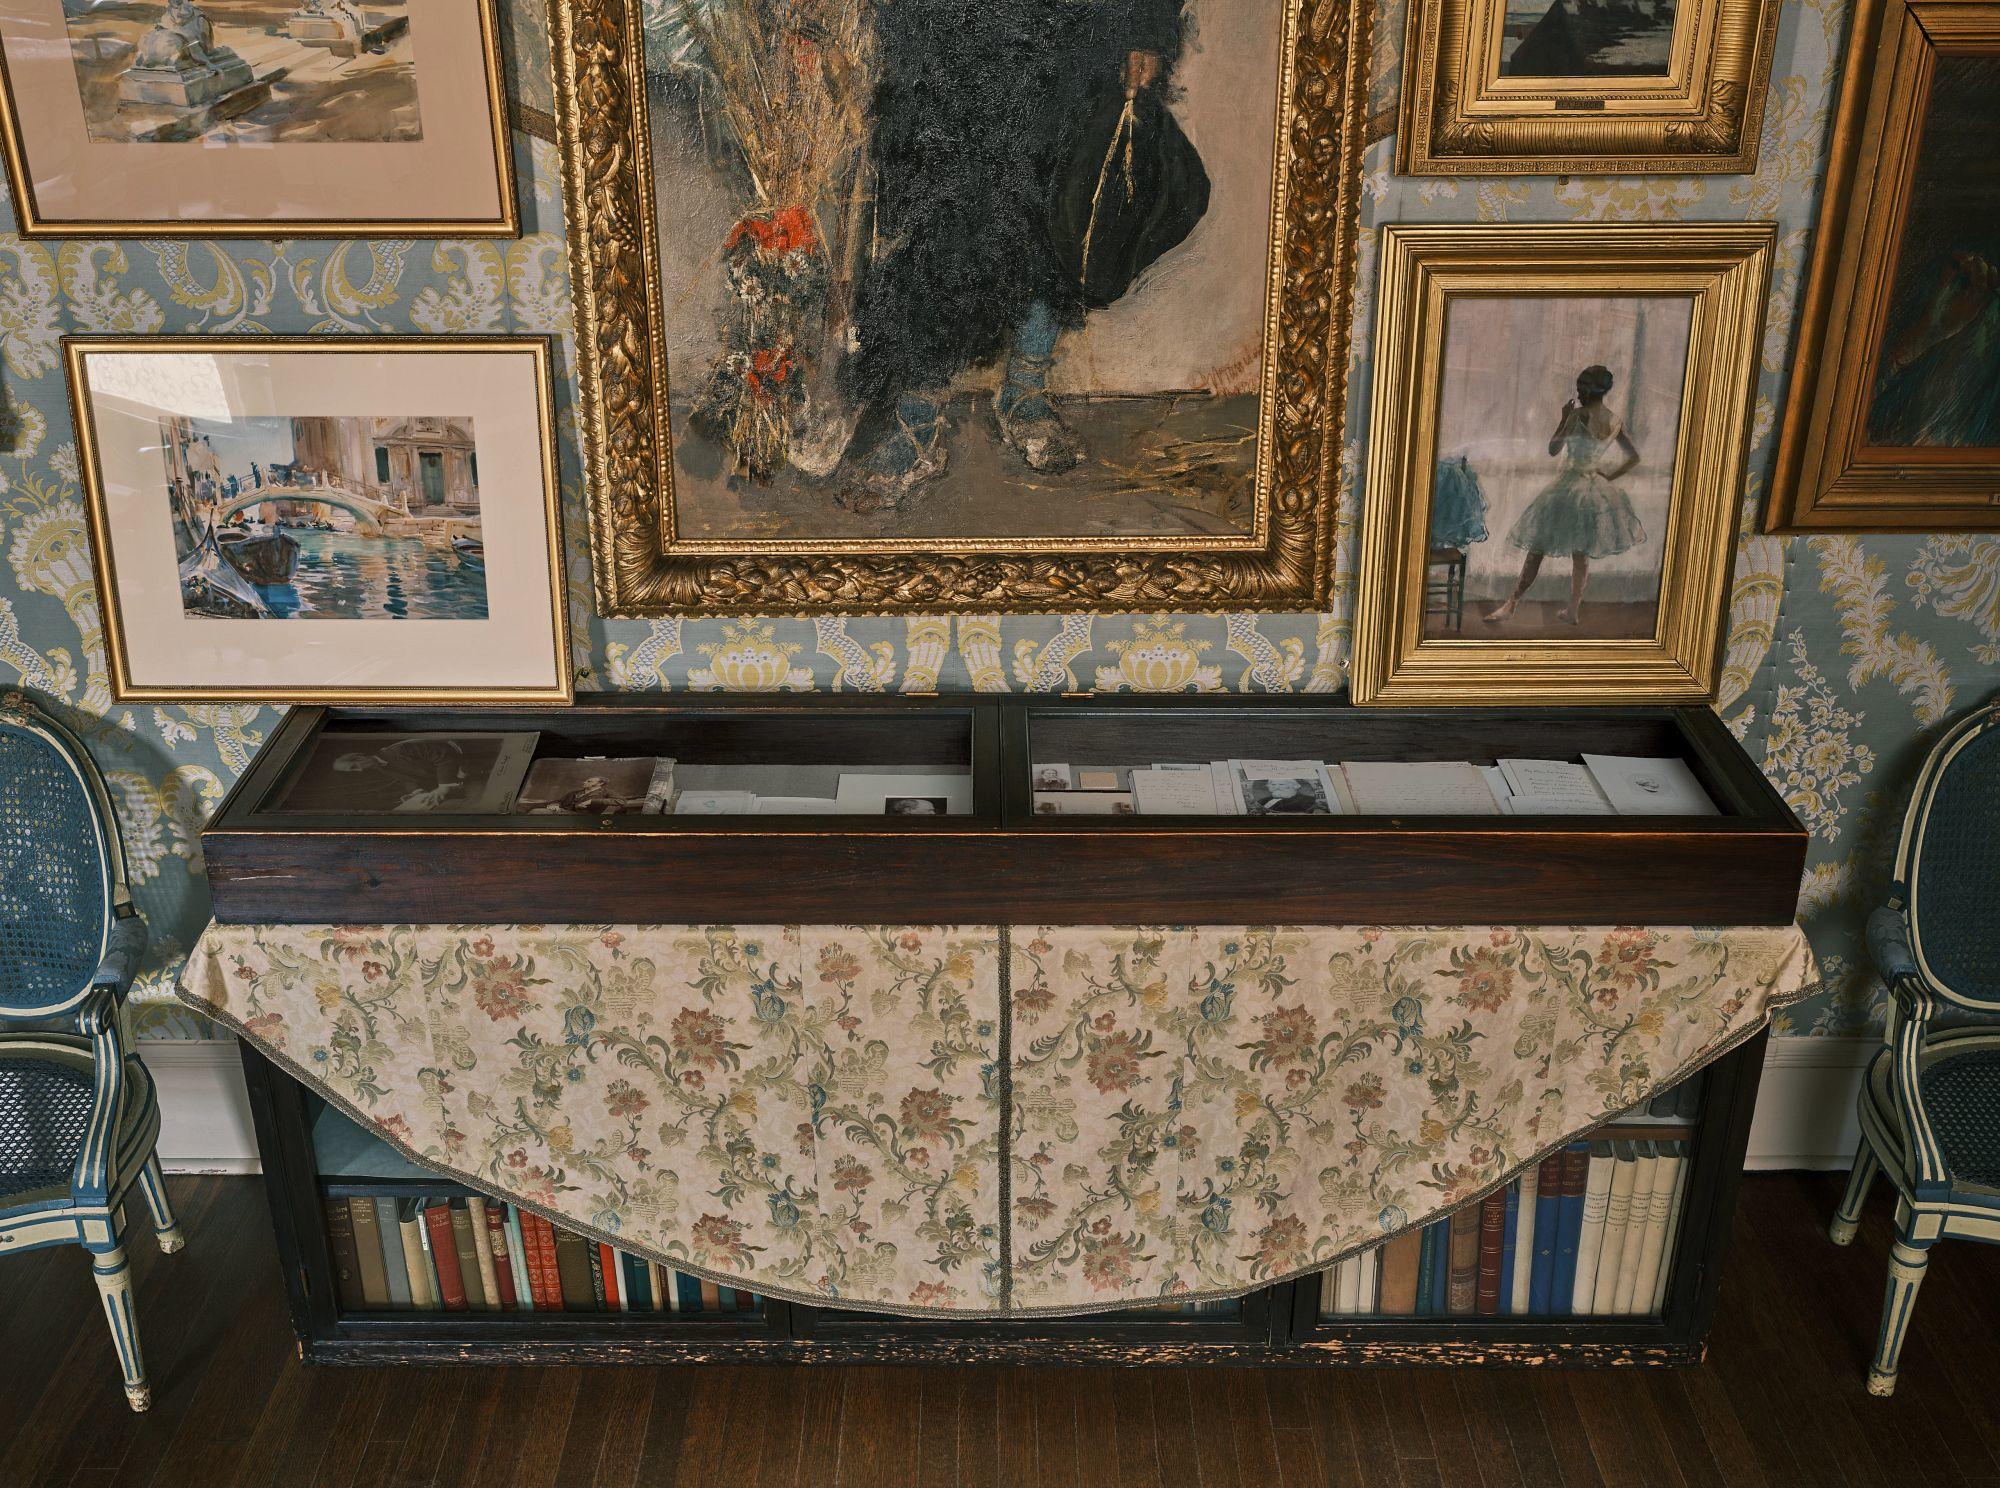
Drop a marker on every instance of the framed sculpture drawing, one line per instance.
(1892, 419)
(1555, 454)
(966, 305)
(279, 519)
(1548, 87)
(255, 118)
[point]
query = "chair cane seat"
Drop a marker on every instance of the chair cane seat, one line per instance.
(45, 1097)
(1960, 1088)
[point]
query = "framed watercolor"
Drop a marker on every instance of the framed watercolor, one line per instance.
(250, 118)
(1892, 419)
(1559, 87)
(1555, 456)
(949, 325)
(295, 520)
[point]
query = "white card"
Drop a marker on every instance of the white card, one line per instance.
(898, 795)
(796, 806)
(1555, 781)
(1650, 787)
(1159, 792)
(1419, 788)
(715, 803)
(1083, 803)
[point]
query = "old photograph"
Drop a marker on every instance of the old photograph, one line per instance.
(595, 787)
(350, 771)
(326, 518)
(272, 71)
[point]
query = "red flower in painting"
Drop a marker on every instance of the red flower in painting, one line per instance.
(785, 230)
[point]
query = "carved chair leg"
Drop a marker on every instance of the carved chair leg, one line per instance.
(1906, 1274)
(153, 1184)
(1847, 1218)
(114, 1285)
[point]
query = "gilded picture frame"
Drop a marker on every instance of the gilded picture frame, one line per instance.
(346, 520)
(646, 560)
(1697, 108)
(1890, 309)
(109, 129)
(1695, 295)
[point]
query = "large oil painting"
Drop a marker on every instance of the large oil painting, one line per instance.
(1894, 422)
(980, 291)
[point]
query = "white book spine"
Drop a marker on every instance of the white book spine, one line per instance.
(1368, 1265)
(1347, 1287)
(1641, 1214)
(1652, 1252)
(1596, 1196)
(1674, 1206)
(1617, 1214)
(1524, 1242)
(517, 1257)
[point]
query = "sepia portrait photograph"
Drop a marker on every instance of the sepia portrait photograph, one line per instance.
(1556, 451)
(1556, 436)
(972, 276)
(216, 117)
(411, 773)
(1895, 422)
(594, 787)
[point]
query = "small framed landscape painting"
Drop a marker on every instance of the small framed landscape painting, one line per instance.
(1892, 420)
(1548, 87)
(255, 117)
(1556, 452)
(961, 305)
(291, 520)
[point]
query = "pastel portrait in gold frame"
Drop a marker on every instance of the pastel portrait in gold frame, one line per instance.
(798, 397)
(241, 118)
(1556, 450)
(288, 519)
(1559, 87)
(1892, 419)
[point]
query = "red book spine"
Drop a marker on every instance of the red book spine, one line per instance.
(444, 1255)
(548, 1281)
(1492, 1242)
(503, 1262)
(608, 1260)
(531, 1250)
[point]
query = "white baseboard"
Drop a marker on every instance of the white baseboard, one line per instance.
(205, 1122)
(1805, 1107)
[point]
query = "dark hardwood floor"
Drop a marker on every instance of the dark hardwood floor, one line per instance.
(1779, 1403)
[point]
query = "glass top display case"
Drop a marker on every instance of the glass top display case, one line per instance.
(1086, 810)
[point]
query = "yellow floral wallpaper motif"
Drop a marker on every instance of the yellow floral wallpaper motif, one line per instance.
(1844, 656)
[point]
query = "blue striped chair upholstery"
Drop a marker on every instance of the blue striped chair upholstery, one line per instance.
(1930, 1109)
(78, 1120)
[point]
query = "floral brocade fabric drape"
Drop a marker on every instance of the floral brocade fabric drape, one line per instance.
(987, 1120)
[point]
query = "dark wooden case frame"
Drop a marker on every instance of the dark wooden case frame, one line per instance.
(1003, 864)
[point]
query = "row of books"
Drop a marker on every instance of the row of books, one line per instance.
(473, 1254)
(1587, 1233)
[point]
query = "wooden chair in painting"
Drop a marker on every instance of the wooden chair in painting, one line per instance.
(1930, 1108)
(78, 1119)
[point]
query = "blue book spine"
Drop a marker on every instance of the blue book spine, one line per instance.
(1541, 1274)
(725, 1298)
(690, 1290)
(1440, 1236)
(1569, 1225)
(1507, 1248)
(638, 1287)
(1426, 1264)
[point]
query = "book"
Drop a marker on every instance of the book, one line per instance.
(430, 1261)
(503, 1261)
(1653, 1246)
(711, 1296)
(1400, 1263)
(573, 1254)
(1675, 1204)
(1617, 1215)
(1528, 1190)
(1569, 1223)
(636, 1285)
(1462, 1293)
(1492, 1237)
(1427, 1271)
(1590, 1239)
(1632, 1258)
(368, 1249)
(482, 1252)
(1368, 1265)
(594, 1259)
(416, 1260)
(1510, 1230)
(539, 1235)
(1541, 1277)
(468, 1255)
(346, 1256)
(656, 1286)
(690, 1291)
(1346, 1288)
(444, 1256)
(612, 1298)
(394, 1270)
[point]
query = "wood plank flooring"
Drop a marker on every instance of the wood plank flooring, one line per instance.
(1779, 1403)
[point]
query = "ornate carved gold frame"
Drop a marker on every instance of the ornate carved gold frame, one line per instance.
(1828, 477)
(1460, 117)
(1726, 269)
(644, 567)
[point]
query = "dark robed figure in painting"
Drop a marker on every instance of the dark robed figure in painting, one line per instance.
(985, 111)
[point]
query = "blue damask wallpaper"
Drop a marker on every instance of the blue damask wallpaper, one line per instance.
(1845, 656)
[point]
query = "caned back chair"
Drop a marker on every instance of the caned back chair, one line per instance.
(78, 1118)
(1930, 1108)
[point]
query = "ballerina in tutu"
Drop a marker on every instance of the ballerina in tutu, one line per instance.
(1583, 512)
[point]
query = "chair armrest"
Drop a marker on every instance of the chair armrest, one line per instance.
(126, 944)
(1909, 1029)
(1889, 944)
(98, 1019)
